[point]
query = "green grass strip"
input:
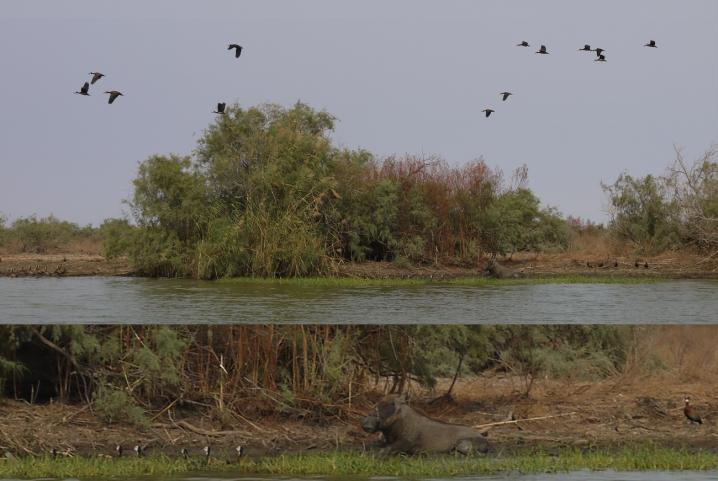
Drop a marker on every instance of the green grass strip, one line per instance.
(346, 463)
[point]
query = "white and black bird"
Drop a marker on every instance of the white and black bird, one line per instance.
(599, 51)
(586, 48)
(240, 451)
(85, 89)
(505, 95)
(237, 49)
(184, 452)
(113, 95)
(53, 453)
(96, 76)
(523, 43)
(488, 111)
(207, 450)
(119, 450)
(651, 43)
(220, 108)
(542, 50)
(139, 451)
(601, 58)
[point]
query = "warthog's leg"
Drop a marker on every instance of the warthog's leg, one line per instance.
(465, 447)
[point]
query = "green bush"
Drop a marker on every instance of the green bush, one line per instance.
(113, 404)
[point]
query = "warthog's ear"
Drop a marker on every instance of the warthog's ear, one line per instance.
(385, 410)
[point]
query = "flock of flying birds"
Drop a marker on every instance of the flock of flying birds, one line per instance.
(85, 89)
(600, 57)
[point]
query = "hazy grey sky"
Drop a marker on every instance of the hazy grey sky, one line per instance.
(401, 76)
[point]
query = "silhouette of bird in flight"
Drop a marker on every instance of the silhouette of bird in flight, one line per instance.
(524, 43)
(601, 58)
(220, 108)
(85, 89)
(505, 95)
(599, 51)
(96, 76)
(488, 111)
(542, 50)
(237, 49)
(113, 95)
(586, 48)
(651, 43)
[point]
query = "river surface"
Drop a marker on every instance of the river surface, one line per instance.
(573, 476)
(96, 300)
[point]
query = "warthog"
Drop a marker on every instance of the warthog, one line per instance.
(407, 431)
(494, 269)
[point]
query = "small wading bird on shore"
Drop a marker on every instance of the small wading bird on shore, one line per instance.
(139, 450)
(542, 50)
(237, 49)
(240, 451)
(113, 95)
(118, 450)
(207, 450)
(652, 43)
(220, 108)
(690, 413)
(505, 95)
(84, 90)
(184, 453)
(96, 76)
(488, 111)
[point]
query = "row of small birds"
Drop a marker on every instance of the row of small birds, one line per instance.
(139, 451)
(85, 89)
(614, 264)
(600, 57)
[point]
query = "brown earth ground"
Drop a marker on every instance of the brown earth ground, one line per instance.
(673, 264)
(607, 413)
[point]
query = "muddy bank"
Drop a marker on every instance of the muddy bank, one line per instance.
(673, 265)
(610, 413)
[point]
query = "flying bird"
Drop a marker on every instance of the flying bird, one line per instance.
(586, 48)
(96, 76)
(601, 58)
(113, 95)
(505, 95)
(488, 111)
(599, 51)
(220, 108)
(651, 43)
(85, 89)
(237, 49)
(690, 412)
(524, 43)
(542, 50)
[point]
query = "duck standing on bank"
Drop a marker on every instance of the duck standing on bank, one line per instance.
(691, 413)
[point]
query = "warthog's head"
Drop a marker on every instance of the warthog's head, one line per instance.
(387, 411)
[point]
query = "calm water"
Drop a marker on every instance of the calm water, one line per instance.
(90, 300)
(574, 476)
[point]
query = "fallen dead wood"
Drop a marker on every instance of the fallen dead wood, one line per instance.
(204, 432)
(514, 421)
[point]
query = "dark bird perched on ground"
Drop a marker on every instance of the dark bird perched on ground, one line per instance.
(505, 95)
(85, 90)
(139, 450)
(635, 264)
(237, 49)
(96, 76)
(651, 43)
(220, 108)
(599, 51)
(690, 412)
(113, 95)
(601, 58)
(600, 264)
(488, 111)
(645, 264)
(615, 263)
(53, 453)
(185, 453)
(523, 43)
(542, 50)
(586, 48)
(118, 450)
(588, 264)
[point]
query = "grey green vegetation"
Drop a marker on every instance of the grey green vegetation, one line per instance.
(310, 369)
(345, 463)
